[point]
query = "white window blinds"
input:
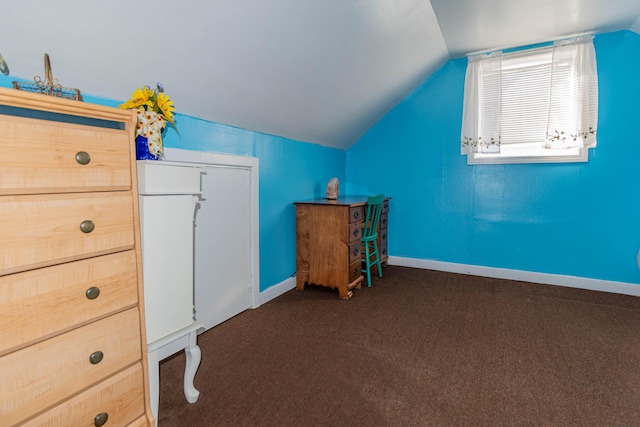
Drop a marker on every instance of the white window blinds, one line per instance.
(526, 91)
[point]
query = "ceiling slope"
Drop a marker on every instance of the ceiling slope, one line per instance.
(320, 72)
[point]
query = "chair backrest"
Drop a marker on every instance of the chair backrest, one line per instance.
(374, 209)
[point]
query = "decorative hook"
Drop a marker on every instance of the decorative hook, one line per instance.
(49, 86)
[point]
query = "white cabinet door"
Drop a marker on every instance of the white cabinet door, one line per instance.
(166, 230)
(223, 245)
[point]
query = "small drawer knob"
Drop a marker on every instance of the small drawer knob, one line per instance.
(83, 158)
(96, 357)
(100, 419)
(87, 226)
(356, 214)
(93, 292)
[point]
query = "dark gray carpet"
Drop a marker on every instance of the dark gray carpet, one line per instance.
(418, 348)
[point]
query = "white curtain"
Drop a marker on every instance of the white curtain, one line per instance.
(573, 108)
(546, 98)
(481, 115)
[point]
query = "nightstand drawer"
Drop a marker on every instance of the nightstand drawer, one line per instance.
(42, 230)
(41, 156)
(119, 400)
(39, 303)
(46, 373)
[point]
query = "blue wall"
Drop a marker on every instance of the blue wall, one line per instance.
(289, 171)
(577, 219)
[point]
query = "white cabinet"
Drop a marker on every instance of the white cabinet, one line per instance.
(169, 194)
(224, 251)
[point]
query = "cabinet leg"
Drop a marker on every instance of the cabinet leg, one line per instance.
(193, 356)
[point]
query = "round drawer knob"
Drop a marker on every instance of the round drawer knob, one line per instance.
(100, 419)
(83, 158)
(87, 226)
(96, 357)
(93, 292)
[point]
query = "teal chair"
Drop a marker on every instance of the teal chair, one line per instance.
(370, 236)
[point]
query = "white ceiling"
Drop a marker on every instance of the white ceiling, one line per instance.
(320, 71)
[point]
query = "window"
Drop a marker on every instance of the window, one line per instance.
(531, 106)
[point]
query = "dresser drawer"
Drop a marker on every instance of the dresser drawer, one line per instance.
(355, 251)
(384, 221)
(355, 231)
(46, 373)
(42, 230)
(355, 270)
(139, 422)
(119, 399)
(40, 156)
(40, 303)
(356, 214)
(384, 245)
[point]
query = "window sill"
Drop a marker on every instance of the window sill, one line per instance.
(529, 156)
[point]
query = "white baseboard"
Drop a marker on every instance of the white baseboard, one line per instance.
(525, 276)
(276, 290)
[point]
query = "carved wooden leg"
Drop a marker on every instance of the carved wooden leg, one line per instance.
(344, 292)
(193, 356)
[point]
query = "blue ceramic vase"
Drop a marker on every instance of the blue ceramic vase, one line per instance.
(142, 149)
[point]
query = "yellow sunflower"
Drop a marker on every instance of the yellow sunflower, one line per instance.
(141, 97)
(165, 107)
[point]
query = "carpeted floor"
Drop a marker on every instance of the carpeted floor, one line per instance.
(418, 348)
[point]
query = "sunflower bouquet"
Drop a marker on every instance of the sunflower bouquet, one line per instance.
(154, 110)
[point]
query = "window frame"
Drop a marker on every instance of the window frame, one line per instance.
(573, 155)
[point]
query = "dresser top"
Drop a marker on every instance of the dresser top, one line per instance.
(340, 201)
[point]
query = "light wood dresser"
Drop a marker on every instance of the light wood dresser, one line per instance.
(72, 334)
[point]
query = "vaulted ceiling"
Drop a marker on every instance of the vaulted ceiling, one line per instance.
(320, 71)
